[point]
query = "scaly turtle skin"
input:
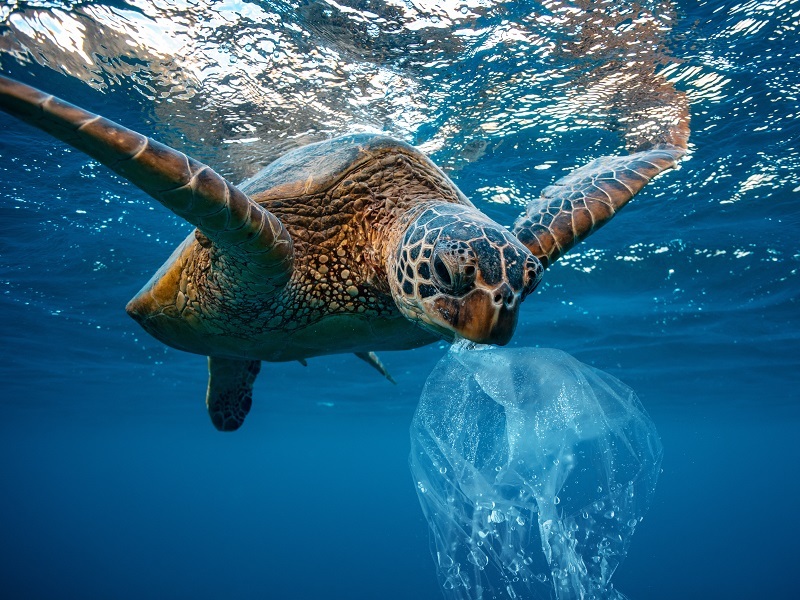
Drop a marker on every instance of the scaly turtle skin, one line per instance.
(356, 244)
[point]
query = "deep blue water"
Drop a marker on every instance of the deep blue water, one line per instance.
(114, 483)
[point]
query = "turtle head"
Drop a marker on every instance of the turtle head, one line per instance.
(457, 273)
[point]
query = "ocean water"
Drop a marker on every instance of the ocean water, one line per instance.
(114, 484)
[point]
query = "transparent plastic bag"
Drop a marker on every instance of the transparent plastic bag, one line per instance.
(533, 471)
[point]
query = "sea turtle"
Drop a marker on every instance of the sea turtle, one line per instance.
(355, 244)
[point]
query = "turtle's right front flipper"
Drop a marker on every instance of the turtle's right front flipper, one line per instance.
(248, 234)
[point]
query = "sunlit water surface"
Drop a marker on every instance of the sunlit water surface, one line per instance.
(114, 484)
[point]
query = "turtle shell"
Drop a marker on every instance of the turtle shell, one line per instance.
(317, 168)
(341, 201)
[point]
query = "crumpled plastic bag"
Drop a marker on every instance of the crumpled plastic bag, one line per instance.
(533, 471)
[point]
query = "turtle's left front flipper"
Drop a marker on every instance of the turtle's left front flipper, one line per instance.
(584, 200)
(230, 391)
(576, 205)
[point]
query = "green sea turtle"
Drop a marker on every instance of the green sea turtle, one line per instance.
(355, 244)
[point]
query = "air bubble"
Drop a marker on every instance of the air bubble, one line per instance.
(478, 558)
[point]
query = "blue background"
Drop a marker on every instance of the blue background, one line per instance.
(113, 484)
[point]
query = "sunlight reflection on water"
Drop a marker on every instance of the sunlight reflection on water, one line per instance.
(454, 75)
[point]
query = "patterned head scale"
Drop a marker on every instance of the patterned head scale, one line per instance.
(458, 273)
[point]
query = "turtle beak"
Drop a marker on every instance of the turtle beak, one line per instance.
(482, 316)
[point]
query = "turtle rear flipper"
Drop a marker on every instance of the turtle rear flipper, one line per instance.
(248, 235)
(373, 361)
(230, 391)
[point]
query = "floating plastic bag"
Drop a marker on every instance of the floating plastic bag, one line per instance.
(533, 471)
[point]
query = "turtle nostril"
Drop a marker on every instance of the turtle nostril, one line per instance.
(504, 296)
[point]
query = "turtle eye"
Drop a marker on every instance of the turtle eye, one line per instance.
(454, 268)
(442, 273)
(465, 278)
